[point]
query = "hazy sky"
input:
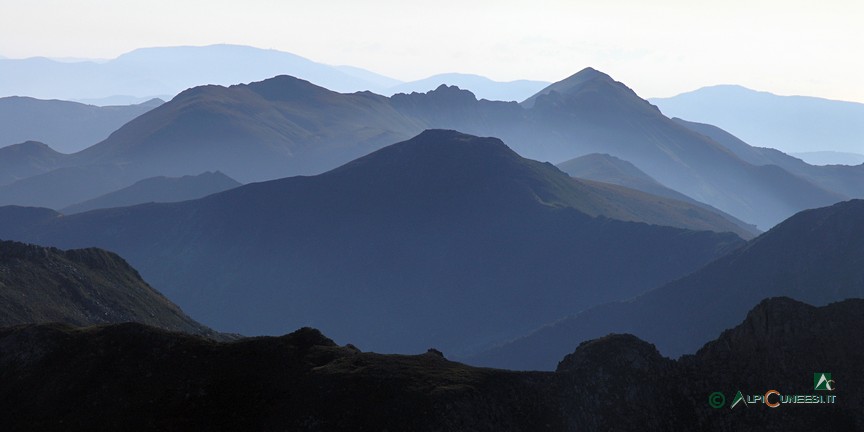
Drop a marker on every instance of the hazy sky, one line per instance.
(659, 48)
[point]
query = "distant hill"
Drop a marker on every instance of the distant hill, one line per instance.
(159, 189)
(446, 239)
(28, 159)
(66, 126)
(482, 87)
(609, 169)
(135, 377)
(847, 180)
(260, 131)
(813, 256)
(80, 287)
(791, 124)
(168, 71)
(830, 158)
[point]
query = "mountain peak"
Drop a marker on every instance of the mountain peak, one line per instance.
(433, 150)
(590, 92)
(613, 352)
(287, 88)
(572, 84)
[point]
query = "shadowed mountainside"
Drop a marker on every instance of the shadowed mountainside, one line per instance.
(445, 239)
(609, 169)
(80, 287)
(814, 256)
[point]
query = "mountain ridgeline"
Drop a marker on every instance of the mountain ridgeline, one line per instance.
(445, 239)
(81, 287)
(787, 123)
(67, 126)
(285, 126)
(814, 257)
(159, 189)
(132, 376)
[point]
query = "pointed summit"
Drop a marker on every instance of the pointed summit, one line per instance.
(590, 92)
(570, 85)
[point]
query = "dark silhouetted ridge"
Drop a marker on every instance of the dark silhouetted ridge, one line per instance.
(130, 376)
(80, 287)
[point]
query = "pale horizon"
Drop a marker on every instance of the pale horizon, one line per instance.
(660, 49)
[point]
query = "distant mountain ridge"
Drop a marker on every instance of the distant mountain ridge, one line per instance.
(609, 169)
(480, 86)
(67, 127)
(165, 70)
(435, 240)
(787, 123)
(157, 71)
(160, 190)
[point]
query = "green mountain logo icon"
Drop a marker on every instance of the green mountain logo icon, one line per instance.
(823, 381)
(739, 397)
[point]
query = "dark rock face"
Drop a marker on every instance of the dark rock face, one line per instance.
(80, 287)
(116, 377)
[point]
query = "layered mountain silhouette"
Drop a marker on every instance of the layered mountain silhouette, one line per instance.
(285, 126)
(66, 126)
(787, 123)
(813, 256)
(445, 239)
(600, 115)
(480, 86)
(830, 158)
(133, 376)
(609, 169)
(81, 287)
(27, 159)
(170, 70)
(848, 180)
(160, 190)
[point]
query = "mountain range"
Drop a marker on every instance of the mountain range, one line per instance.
(445, 239)
(148, 72)
(285, 126)
(67, 127)
(481, 87)
(814, 256)
(159, 190)
(132, 376)
(792, 124)
(166, 71)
